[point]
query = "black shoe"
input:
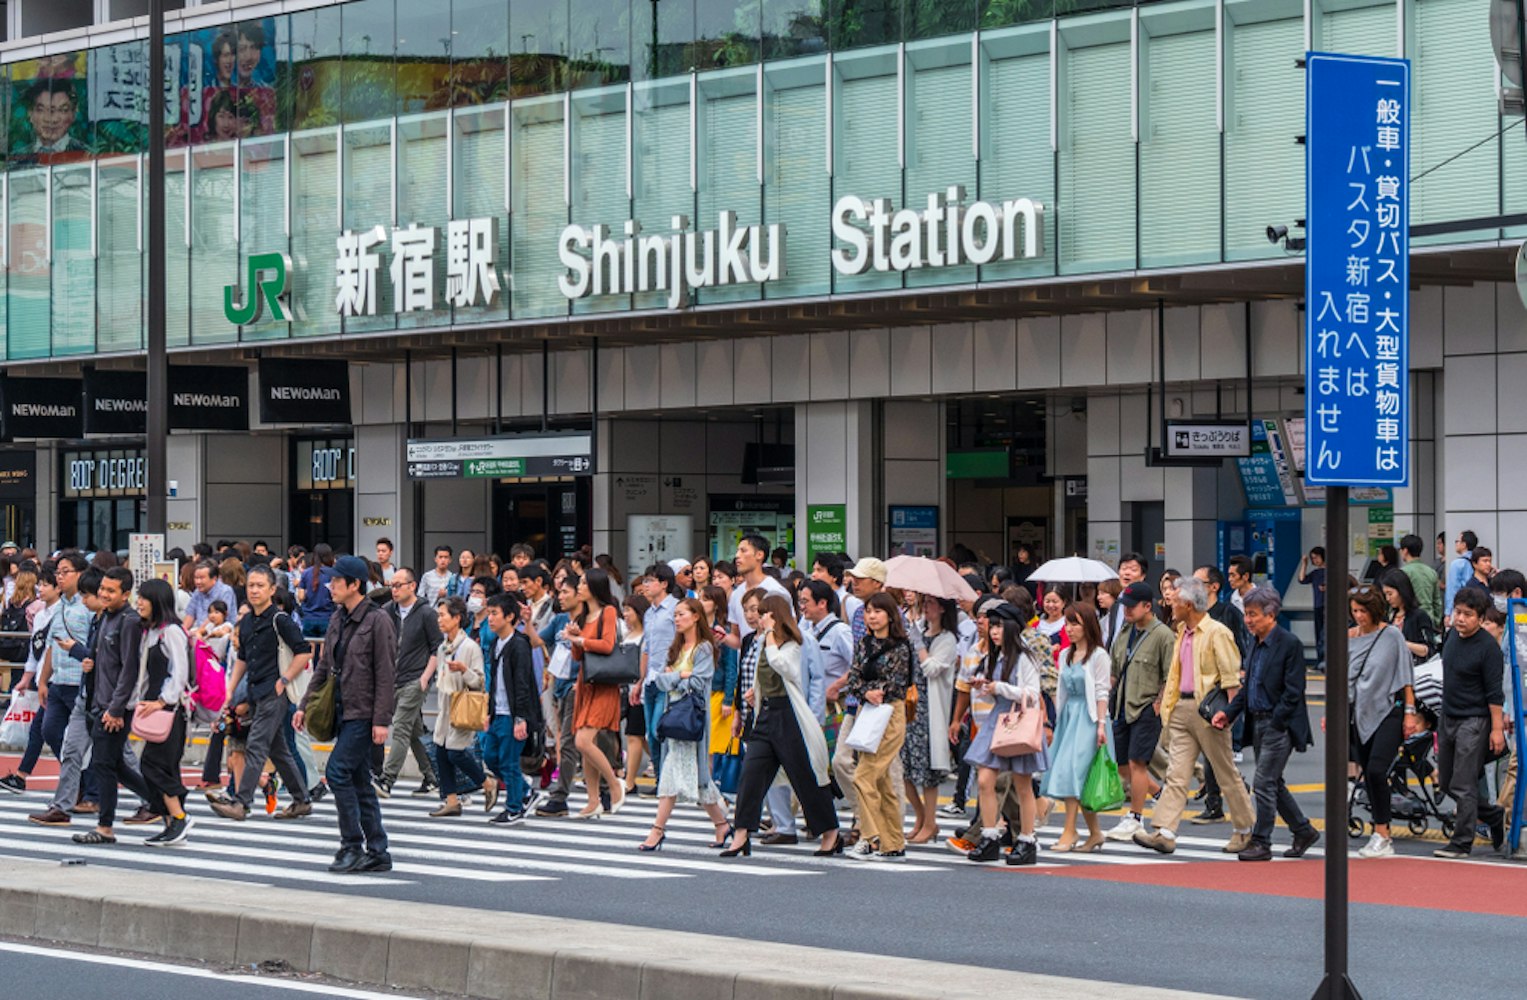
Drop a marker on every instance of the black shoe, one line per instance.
(173, 835)
(746, 850)
(319, 792)
(426, 789)
(349, 859)
(1256, 851)
(987, 850)
(1025, 852)
(604, 800)
(1211, 814)
(552, 809)
(375, 861)
(509, 817)
(383, 788)
(836, 848)
(1498, 832)
(1302, 843)
(13, 783)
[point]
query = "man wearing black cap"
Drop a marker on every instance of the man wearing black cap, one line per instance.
(1142, 654)
(360, 650)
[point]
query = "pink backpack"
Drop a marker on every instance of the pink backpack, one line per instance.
(211, 688)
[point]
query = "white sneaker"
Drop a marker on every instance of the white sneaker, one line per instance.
(861, 851)
(1377, 847)
(1240, 756)
(1125, 830)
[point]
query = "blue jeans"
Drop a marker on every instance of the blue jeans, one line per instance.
(501, 754)
(49, 725)
(290, 735)
(349, 774)
(653, 702)
(458, 771)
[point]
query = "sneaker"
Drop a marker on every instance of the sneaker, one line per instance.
(509, 817)
(861, 851)
(960, 845)
(530, 801)
(1378, 846)
(157, 838)
(13, 783)
(1125, 829)
(174, 835)
(1239, 756)
(887, 856)
(1450, 853)
(552, 809)
(383, 788)
(319, 791)
(952, 809)
(1211, 815)
(426, 789)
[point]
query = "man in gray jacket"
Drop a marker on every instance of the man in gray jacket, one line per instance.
(419, 636)
(116, 674)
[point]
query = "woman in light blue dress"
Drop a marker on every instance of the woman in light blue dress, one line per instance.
(1081, 723)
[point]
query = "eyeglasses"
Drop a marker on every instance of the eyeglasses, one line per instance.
(400, 583)
(1362, 588)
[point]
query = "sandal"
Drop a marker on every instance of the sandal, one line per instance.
(94, 837)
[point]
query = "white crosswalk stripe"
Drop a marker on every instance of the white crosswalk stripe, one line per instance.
(468, 848)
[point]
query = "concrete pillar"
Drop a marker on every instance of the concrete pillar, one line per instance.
(835, 463)
(1192, 509)
(383, 493)
(914, 443)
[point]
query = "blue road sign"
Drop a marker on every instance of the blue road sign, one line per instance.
(1357, 271)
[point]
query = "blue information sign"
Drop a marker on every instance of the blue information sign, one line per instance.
(1357, 273)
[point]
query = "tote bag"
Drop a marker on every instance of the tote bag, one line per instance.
(869, 727)
(1018, 732)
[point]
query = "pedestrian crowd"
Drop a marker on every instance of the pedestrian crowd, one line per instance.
(767, 697)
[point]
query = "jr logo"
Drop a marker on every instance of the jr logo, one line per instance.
(261, 292)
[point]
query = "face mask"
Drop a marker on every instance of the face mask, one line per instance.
(475, 604)
(1501, 601)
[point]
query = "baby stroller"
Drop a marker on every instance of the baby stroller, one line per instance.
(1415, 806)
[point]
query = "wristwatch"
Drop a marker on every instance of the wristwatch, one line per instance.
(1410, 710)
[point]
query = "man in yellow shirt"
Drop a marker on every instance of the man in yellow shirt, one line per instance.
(1206, 664)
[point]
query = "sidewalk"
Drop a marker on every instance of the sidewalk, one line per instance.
(502, 956)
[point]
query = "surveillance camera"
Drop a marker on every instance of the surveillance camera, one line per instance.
(1276, 234)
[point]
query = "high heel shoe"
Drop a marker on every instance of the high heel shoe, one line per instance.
(836, 848)
(1094, 845)
(662, 836)
(724, 839)
(746, 850)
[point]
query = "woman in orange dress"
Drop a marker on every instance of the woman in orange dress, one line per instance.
(595, 706)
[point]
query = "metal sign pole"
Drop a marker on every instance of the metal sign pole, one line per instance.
(1337, 985)
(1516, 619)
(157, 444)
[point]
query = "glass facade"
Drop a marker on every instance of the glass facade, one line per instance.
(1154, 134)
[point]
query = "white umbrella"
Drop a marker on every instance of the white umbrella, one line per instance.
(1074, 569)
(922, 575)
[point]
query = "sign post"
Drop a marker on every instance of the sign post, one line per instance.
(1516, 624)
(1357, 334)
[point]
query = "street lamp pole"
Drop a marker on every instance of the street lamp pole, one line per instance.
(157, 445)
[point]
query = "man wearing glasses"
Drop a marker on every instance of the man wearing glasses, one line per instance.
(419, 636)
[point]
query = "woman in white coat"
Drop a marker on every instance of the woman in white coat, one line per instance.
(460, 669)
(786, 735)
(1081, 723)
(925, 754)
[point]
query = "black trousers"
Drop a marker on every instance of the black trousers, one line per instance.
(1376, 757)
(777, 743)
(160, 764)
(107, 766)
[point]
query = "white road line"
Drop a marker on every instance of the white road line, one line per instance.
(166, 858)
(143, 965)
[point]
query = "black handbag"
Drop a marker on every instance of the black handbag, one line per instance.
(623, 666)
(1213, 703)
(683, 720)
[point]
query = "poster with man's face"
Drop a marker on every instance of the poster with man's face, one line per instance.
(47, 123)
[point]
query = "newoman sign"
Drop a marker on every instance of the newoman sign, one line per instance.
(873, 235)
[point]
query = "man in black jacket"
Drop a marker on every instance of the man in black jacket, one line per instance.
(514, 705)
(1273, 701)
(418, 631)
(116, 675)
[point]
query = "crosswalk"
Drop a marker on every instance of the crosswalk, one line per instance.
(467, 849)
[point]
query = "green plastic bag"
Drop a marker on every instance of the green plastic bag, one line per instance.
(1103, 790)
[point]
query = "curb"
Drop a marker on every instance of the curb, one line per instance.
(492, 955)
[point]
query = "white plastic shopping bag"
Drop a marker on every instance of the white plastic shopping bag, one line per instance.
(18, 719)
(869, 726)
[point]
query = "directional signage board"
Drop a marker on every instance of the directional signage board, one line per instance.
(506, 457)
(1208, 439)
(1357, 271)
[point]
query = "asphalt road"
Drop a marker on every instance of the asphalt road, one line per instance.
(1251, 930)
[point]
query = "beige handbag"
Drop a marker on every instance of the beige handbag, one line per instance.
(469, 710)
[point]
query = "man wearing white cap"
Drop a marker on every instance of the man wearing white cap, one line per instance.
(683, 575)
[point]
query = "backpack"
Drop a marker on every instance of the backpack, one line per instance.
(14, 619)
(209, 688)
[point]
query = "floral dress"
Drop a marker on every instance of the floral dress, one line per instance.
(916, 764)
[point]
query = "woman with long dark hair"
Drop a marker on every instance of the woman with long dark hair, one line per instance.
(685, 775)
(925, 755)
(1081, 723)
(459, 668)
(164, 670)
(880, 675)
(593, 629)
(1011, 676)
(1380, 676)
(1406, 614)
(785, 734)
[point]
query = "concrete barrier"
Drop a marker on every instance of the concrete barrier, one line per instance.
(493, 955)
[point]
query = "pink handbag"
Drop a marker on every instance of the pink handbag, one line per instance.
(153, 725)
(1019, 732)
